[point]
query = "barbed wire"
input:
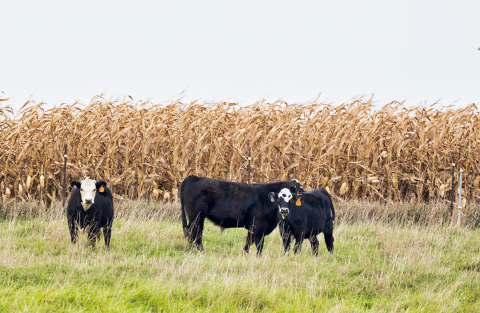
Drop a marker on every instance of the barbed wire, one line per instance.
(466, 178)
(375, 174)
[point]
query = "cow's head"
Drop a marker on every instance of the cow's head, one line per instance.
(284, 200)
(88, 189)
(297, 187)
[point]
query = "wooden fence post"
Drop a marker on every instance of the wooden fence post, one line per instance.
(65, 175)
(460, 194)
(249, 159)
(453, 185)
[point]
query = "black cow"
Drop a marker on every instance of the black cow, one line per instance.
(230, 205)
(305, 215)
(90, 207)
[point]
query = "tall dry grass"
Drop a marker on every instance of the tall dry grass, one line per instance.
(352, 212)
(356, 150)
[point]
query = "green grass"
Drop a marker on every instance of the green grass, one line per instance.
(150, 267)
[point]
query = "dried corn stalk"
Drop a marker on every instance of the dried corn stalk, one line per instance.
(385, 153)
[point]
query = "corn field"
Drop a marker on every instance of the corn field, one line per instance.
(144, 150)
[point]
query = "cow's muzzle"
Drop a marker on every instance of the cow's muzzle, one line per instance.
(88, 201)
(284, 212)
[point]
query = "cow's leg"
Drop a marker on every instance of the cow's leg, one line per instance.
(190, 229)
(196, 231)
(249, 242)
(329, 241)
(286, 236)
(72, 226)
(259, 240)
(287, 239)
(93, 235)
(298, 242)
(314, 243)
(107, 233)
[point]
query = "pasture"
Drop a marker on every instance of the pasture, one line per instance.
(416, 264)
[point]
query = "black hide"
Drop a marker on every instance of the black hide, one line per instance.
(230, 205)
(99, 215)
(315, 215)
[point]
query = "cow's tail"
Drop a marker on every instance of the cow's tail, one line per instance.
(182, 203)
(329, 222)
(328, 231)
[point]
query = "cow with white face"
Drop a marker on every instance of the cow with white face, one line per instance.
(303, 216)
(283, 199)
(90, 207)
(88, 190)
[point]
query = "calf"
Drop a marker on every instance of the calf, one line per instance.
(90, 207)
(303, 216)
(230, 205)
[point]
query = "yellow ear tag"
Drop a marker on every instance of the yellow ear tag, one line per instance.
(298, 203)
(101, 189)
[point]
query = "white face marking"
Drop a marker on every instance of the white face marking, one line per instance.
(87, 192)
(285, 194)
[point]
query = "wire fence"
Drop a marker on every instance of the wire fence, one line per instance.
(53, 182)
(44, 185)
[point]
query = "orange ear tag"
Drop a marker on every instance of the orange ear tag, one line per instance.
(101, 189)
(298, 203)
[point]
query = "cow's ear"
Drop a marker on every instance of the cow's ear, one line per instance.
(272, 196)
(75, 184)
(100, 185)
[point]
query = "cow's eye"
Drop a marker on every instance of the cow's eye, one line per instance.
(81, 189)
(94, 189)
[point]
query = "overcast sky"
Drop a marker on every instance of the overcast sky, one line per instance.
(243, 51)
